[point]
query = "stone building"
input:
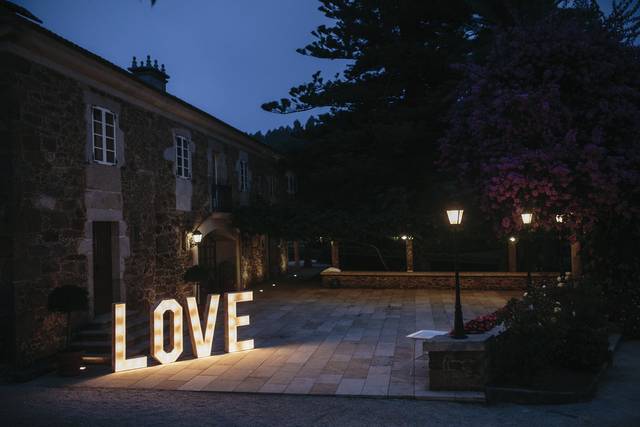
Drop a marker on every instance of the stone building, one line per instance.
(104, 178)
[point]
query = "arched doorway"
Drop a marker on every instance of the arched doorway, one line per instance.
(217, 253)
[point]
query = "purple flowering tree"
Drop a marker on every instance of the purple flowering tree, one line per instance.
(550, 122)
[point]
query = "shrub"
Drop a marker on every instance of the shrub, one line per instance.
(67, 299)
(553, 325)
(195, 273)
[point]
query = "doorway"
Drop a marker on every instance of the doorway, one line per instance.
(103, 266)
(217, 254)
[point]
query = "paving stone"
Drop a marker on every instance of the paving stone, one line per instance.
(197, 383)
(350, 386)
(322, 341)
(185, 374)
(324, 389)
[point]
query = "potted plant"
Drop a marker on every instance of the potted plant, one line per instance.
(198, 275)
(195, 273)
(68, 299)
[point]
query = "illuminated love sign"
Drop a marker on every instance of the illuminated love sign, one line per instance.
(201, 342)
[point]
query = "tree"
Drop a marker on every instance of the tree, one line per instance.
(550, 122)
(369, 165)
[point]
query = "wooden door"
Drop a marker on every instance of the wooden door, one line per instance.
(102, 267)
(207, 259)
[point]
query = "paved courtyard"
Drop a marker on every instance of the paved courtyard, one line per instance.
(312, 340)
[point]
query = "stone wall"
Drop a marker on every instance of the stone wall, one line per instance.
(255, 259)
(45, 220)
(46, 134)
(429, 279)
(7, 197)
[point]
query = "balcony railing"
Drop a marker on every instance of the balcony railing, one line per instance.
(221, 198)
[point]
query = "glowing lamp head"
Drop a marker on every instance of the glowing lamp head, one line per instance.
(196, 237)
(455, 216)
(512, 239)
(559, 219)
(527, 217)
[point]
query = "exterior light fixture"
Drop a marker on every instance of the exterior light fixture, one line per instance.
(455, 216)
(196, 237)
(512, 239)
(455, 219)
(559, 219)
(527, 219)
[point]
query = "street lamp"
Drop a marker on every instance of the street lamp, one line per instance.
(455, 219)
(527, 218)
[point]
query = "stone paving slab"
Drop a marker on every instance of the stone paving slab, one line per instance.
(313, 340)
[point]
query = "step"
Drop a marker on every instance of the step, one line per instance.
(141, 349)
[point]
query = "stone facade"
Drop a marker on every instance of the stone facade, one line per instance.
(430, 279)
(53, 192)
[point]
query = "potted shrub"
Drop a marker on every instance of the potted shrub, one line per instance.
(195, 273)
(198, 275)
(66, 300)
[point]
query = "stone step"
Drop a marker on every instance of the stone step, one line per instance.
(102, 356)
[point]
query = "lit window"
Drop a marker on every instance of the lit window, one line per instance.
(104, 136)
(183, 157)
(244, 176)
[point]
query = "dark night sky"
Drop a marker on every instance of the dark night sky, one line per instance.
(226, 57)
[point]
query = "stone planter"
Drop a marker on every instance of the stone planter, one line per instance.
(458, 364)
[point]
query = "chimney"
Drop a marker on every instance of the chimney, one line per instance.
(150, 73)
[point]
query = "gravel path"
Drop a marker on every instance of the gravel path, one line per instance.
(617, 404)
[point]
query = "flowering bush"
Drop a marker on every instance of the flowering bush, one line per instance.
(553, 325)
(484, 323)
(550, 123)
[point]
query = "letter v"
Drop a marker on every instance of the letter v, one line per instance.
(202, 343)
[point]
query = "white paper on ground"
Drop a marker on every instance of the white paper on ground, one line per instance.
(426, 334)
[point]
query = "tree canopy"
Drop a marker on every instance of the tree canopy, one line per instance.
(468, 80)
(550, 123)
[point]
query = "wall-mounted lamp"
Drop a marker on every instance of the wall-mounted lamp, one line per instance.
(196, 237)
(559, 219)
(455, 216)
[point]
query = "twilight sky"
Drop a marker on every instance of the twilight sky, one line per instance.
(226, 57)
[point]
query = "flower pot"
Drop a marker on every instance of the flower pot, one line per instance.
(69, 363)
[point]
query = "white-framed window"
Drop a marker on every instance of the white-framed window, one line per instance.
(183, 157)
(243, 176)
(292, 185)
(104, 136)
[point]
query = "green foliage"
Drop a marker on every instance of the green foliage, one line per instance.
(553, 325)
(610, 254)
(67, 299)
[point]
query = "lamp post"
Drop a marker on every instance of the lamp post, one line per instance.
(408, 241)
(527, 218)
(455, 219)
